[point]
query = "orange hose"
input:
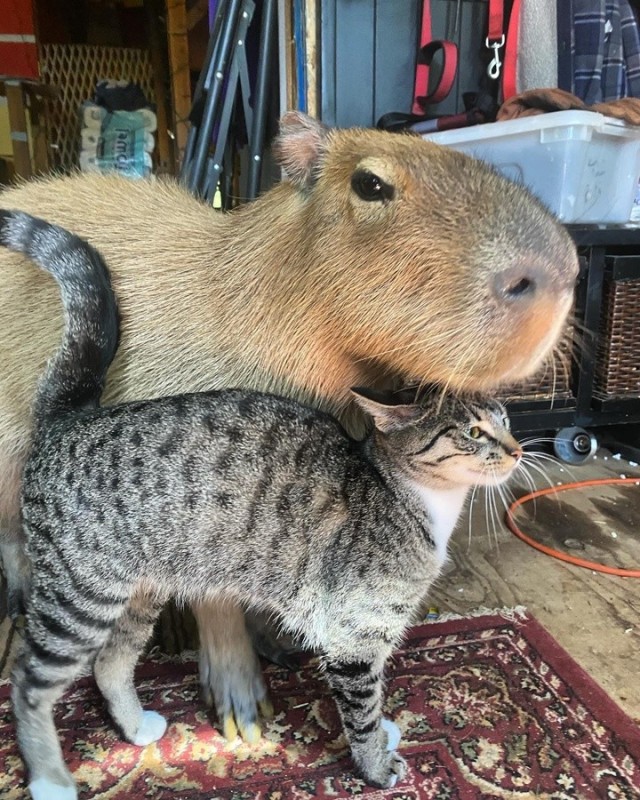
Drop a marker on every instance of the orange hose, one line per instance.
(580, 562)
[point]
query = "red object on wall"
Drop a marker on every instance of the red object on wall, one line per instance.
(18, 52)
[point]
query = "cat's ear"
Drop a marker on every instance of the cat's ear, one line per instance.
(390, 411)
(300, 147)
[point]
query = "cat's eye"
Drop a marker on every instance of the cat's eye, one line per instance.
(475, 432)
(506, 422)
(370, 187)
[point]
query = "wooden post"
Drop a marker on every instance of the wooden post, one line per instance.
(18, 126)
(312, 56)
(179, 71)
(39, 138)
(197, 11)
(166, 162)
(286, 57)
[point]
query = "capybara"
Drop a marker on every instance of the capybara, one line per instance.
(380, 260)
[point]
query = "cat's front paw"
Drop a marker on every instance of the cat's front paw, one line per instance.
(152, 727)
(44, 789)
(384, 771)
(387, 772)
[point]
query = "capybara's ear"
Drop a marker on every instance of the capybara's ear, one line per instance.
(299, 147)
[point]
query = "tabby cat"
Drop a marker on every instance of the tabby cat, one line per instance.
(224, 493)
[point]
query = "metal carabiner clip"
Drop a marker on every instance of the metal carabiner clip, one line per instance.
(495, 65)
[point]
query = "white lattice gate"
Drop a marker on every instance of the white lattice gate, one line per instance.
(74, 70)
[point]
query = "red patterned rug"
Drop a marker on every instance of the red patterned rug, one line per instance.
(488, 707)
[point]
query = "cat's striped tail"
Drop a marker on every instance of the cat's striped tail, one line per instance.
(75, 376)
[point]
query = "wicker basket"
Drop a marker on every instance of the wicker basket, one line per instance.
(618, 350)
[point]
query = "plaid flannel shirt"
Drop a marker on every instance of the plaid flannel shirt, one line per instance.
(606, 50)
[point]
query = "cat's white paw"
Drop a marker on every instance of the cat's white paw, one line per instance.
(43, 789)
(397, 771)
(393, 733)
(151, 728)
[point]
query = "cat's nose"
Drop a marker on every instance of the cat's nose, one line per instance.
(516, 453)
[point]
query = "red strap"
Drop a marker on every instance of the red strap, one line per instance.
(421, 84)
(509, 83)
(496, 20)
(449, 70)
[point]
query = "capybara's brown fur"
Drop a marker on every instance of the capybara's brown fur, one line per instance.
(451, 274)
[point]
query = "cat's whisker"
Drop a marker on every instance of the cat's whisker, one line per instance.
(492, 531)
(503, 489)
(553, 379)
(521, 471)
(506, 492)
(537, 440)
(556, 463)
(488, 515)
(548, 457)
(539, 469)
(543, 454)
(471, 501)
(489, 519)
(496, 518)
(524, 471)
(532, 464)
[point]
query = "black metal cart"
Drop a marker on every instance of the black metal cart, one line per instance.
(600, 393)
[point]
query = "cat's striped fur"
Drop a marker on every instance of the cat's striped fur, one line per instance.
(226, 493)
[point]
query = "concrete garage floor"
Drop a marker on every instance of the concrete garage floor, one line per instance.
(594, 616)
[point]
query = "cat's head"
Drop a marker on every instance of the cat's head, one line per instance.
(443, 440)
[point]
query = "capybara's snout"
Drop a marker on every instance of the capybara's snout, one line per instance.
(524, 284)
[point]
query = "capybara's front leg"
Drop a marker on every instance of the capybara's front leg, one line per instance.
(230, 674)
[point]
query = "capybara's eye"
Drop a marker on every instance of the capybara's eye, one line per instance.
(370, 187)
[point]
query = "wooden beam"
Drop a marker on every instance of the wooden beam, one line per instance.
(39, 134)
(179, 71)
(166, 162)
(290, 58)
(18, 128)
(196, 13)
(312, 55)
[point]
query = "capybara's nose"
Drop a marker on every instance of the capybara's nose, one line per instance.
(522, 284)
(528, 281)
(515, 285)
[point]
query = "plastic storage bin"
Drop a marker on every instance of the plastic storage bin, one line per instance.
(582, 165)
